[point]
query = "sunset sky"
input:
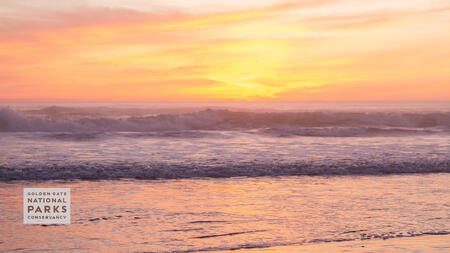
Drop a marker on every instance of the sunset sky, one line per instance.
(193, 50)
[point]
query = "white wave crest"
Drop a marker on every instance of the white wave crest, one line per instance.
(295, 123)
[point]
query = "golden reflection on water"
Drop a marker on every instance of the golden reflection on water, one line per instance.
(193, 214)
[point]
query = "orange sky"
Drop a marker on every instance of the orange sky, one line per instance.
(192, 50)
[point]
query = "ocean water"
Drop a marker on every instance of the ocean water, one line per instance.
(219, 214)
(170, 140)
(187, 177)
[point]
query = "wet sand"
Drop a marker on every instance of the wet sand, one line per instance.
(282, 214)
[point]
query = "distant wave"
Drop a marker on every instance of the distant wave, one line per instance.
(319, 123)
(90, 171)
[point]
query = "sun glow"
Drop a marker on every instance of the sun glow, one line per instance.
(273, 50)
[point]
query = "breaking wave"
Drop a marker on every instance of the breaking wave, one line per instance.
(150, 171)
(318, 123)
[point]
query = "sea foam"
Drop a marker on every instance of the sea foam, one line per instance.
(319, 123)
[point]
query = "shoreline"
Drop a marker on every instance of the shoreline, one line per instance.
(291, 214)
(425, 243)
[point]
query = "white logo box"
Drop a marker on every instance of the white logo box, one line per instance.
(46, 205)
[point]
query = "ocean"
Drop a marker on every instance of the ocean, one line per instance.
(187, 177)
